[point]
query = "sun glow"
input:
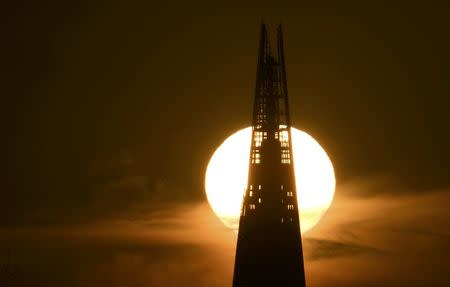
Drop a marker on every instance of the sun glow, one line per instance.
(227, 172)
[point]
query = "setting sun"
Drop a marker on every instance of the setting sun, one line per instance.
(227, 172)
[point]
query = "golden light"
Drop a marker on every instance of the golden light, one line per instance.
(227, 172)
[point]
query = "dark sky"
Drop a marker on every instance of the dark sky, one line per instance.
(115, 108)
(163, 87)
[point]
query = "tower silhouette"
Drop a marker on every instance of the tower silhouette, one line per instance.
(269, 247)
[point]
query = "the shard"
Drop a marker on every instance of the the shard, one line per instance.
(269, 247)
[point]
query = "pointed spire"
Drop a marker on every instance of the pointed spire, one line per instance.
(269, 247)
(264, 45)
(281, 61)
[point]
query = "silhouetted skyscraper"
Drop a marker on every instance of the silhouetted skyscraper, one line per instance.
(269, 248)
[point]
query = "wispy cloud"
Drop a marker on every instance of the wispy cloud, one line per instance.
(384, 239)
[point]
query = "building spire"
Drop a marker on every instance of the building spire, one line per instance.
(269, 250)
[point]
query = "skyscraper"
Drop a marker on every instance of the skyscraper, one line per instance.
(269, 247)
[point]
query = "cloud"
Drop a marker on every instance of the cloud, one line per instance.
(383, 240)
(177, 246)
(317, 249)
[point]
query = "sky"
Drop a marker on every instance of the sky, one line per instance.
(111, 112)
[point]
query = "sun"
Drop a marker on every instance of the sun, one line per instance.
(227, 172)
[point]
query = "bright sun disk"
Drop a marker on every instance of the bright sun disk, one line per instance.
(227, 173)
